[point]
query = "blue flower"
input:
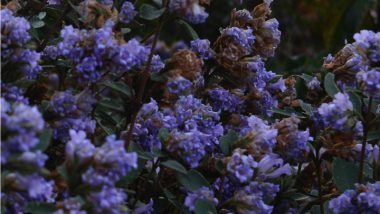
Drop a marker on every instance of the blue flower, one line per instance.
(202, 48)
(203, 193)
(241, 166)
(127, 12)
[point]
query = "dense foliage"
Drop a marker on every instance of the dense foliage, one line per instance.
(120, 107)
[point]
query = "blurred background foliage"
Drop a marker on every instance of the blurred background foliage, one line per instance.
(311, 29)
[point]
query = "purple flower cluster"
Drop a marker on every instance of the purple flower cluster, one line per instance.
(292, 142)
(362, 198)
(202, 193)
(202, 48)
(14, 36)
(241, 166)
(73, 112)
(261, 137)
(21, 125)
(189, 9)
(253, 197)
(193, 126)
(222, 99)
(127, 12)
(97, 51)
(338, 113)
(179, 85)
(106, 165)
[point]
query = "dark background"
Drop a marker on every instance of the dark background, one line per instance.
(310, 28)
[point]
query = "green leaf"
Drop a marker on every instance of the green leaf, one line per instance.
(192, 180)
(286, 112)
(307, 108)
(40, 208)
(45, 138)
(301, 88)
(163, 135)
(36, 23)
(63, 172)
(329, 84)
(111, 104)
(42, 15)
(125, 30)
(374, 135)
(345, 174)
(193, 34)
(172, 164)
(205, 207)
(227, 140)
(120, 87)
(306, 77)
(356, 102)
(149, 12)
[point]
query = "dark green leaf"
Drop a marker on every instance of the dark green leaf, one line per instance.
(36, 23)
(301, 88)
(172, 164)
(374, 135)
(157, 77)
(356, 102)
(40, 208)
(45, 138)
(307, 108)
(286, 112)
(125, 30)
(204, 207)
(193, 34)
(42, 15)
(192, 180)
(111, 104)
(345, 174)
(227, 140)
(306, 77)
(63, 172)
(163, 135)
(329, 84)
(149, 12)
(120, 87)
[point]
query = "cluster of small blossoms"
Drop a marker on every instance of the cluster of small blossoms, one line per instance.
(191, 10)
(71, 112)
(127, 12)
(12, 93)
(21, 160)
(14, 37)
(357, 63)
(222, 99)
(260, 136)
(249, 183)
(338, 114)
(242, 49)
(202, 193)
(363, 198)
(292, 142)
(202, 48)
(102, 168)
(95, 52)
(193, 127)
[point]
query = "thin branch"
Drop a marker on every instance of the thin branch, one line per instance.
(143, 80)
(366, 125)
(319, 180)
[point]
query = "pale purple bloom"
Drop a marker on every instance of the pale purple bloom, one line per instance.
(202, 193)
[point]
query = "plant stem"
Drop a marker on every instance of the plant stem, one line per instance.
(366, 124)
(319, 180)
(143, 80)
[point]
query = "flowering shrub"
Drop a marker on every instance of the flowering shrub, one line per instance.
(102, 112)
